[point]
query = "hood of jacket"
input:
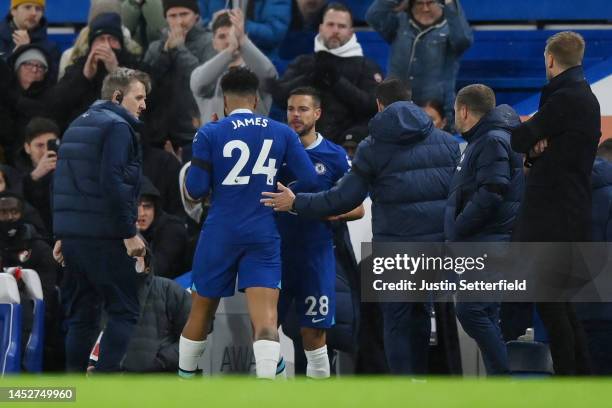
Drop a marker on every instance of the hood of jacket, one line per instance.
(502, 117)
(401, 123)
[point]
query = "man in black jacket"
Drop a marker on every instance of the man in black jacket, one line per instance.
(165, 233)
(560, 142)
(346, 79)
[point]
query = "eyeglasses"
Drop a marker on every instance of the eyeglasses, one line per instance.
(33, 66)
(423, 4)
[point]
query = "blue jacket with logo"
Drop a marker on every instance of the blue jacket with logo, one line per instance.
(406, 166)
(488, 185)
(97, 179)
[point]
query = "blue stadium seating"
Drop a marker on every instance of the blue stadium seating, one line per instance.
(75, 11)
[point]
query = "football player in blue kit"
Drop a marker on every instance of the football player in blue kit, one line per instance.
(307, 248)
(236, 158)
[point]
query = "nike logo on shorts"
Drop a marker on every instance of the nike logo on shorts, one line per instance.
(317, 320)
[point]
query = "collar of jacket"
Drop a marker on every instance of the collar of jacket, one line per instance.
(502, 117)
(195, 33)
(574, 74)
(133, 121)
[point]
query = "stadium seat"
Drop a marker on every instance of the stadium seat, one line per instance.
(33, 353)
(529, 358)
(10, 325)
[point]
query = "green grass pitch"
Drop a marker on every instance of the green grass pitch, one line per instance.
(386, 392)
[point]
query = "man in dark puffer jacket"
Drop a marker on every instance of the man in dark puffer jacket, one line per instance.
(95, 192)
(484, 202)
(406, 166)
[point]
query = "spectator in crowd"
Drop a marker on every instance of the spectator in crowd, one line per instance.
(162, 168)
(483, 204)
(95, 201)
(345, 78)
(165, 306)
(306, 17)
(428, 38)
(23, 25)
(20, 245)
(37, 162)
(234, 49)
(144, 19)
(405, 148)
(171, 59)
(435, 110)
(82, 83)
(560, 142)
(166, 234)
(11, 181)
(28, 85)
(266, 20)
(351, 139)
(596, 318)
(81, 44)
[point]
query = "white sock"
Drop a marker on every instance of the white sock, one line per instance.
(267, 354)
(190, 352)
(318, 363)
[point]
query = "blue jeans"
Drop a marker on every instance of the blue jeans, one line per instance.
(480, 320)
(406, 331)
(99, 275)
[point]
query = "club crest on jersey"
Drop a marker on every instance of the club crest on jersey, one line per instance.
(320, 168)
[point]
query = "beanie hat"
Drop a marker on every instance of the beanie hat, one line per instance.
(17, 3)
(106, 23)
(32, 54)
(190, 4)
(103, 6)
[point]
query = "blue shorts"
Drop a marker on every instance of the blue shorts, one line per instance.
(217, 264)
(309, 280)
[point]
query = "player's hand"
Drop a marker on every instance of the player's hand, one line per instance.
(57, 253)
(214, 117)
(281, 201)
(21, 37)
(135, 246)
(538, 148)
(45, 166)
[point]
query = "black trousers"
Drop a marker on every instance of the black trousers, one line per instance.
(568, 344)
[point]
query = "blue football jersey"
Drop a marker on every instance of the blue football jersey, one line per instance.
(330, 163)
(238, 158)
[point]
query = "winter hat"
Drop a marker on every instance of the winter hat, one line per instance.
(32, 54)
(17, 3)
(190, 4)
(103, 6)
(106, 23)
